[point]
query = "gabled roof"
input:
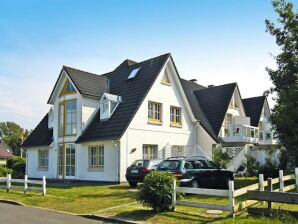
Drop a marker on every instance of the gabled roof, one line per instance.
(132, 92)
(214, 102)
(253, 108)
(5, 151)
(85, 82)
(189, 88)
(41, 135)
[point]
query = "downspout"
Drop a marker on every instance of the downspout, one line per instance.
(118, 159)
(196, 124)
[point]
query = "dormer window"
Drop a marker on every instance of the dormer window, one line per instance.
(108, 105)
(133, 73)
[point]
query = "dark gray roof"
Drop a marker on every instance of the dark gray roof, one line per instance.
(189, 88)
(87, 83)
(214, 102)
(132, 92)
(253, 108)
(41, 135)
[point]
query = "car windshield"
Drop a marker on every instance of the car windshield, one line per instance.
(140, 163)
(211, 165)
(169, 165)
(154, 163)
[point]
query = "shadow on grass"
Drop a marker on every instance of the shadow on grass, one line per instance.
(144, 215)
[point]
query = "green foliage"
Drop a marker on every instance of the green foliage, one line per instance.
(156, 191)
(269, 169)
(252, 165)
(220, 157)
(4, 171)
(12, 135)
(18, 165)
(285, 78)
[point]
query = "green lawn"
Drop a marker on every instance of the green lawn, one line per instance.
(82, 199)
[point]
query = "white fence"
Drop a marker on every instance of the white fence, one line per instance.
(231, 193)
(10, 184)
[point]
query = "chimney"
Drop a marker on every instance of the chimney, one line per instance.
(108, 85)
(193, 80)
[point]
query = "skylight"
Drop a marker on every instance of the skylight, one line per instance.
(133, 73)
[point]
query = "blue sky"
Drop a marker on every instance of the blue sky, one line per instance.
(214, 41)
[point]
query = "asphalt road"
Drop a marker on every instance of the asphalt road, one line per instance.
(15, 214)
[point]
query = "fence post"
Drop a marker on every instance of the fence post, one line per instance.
(44, 186)
(281, 180)
(25, 183)
(261, 182)
(174, 196)
(8, 182)
(296, 178)
(270, 188)
(231, 198)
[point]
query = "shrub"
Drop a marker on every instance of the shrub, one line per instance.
(4, 171)
(156, 191)
(18, 165)
(220, 157)
(16, 159)
(252, 165)
(269, 169)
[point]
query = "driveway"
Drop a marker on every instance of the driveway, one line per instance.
(12, 214)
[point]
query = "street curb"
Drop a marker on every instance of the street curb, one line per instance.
(107, 219)
(6, 201)
(87, 216)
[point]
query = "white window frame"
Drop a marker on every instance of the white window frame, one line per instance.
(43, 154)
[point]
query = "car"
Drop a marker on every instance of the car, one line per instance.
(197, 172)
(139, 169)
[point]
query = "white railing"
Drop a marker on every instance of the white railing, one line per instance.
(241, 132)
(9, 184)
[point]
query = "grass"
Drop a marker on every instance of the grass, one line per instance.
(120, 199)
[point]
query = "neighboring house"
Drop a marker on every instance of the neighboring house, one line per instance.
(99, 124)
(5, 153)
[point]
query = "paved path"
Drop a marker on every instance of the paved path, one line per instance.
(15, 214)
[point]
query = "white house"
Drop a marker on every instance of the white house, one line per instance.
(99, 124)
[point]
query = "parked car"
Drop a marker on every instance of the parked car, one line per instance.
(197, 172)
(139, 169)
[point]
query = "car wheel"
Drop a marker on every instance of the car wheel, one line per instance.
(195, 184)
(133, 184)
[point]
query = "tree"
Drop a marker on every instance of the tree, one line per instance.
(13, 135)
(285, 78)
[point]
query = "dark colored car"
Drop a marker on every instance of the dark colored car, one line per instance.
(197, 172)
(139, 169)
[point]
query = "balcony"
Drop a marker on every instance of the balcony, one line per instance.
(241, 133)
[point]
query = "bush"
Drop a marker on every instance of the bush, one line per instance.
(220, 157)
(252, 165)
(269, 169)
(18, 165)
(156, 191)
(4, 171)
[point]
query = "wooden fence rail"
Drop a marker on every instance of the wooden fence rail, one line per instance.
(9, 184)
(232, 194)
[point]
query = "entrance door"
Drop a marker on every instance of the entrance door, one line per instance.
(70, 161)
(66, 161)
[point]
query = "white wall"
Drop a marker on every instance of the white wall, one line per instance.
(33, 170)
(141, 132)
(204, 141)
(89, 106)
(110, 170)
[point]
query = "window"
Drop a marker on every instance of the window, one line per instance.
(149, 151)
(175, 114)
(268, 136)
(43, 159)
(165, 79)
(68, 118)
(68, 88)
(133, 73)
(96, 156)
(154, 112)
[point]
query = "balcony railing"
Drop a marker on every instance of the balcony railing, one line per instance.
(240, 132)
